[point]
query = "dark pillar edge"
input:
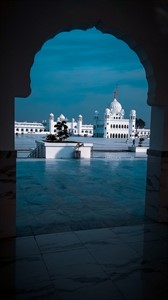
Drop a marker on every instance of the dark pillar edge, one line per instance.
(157, 153)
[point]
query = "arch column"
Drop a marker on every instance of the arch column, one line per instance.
(156, 205)
(7, 167)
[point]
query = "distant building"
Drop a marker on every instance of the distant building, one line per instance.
(30, 127)
(115, 126)
(75, 127)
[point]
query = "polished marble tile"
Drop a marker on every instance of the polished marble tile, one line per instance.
(117, 253)
(58, 242)
(25, 274)
(131, 285)
(90, 287)
(121, 263)
(96, 236)
(19, 247)
(73, 263)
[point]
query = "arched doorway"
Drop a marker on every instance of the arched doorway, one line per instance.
(25, 29)
(103, 218)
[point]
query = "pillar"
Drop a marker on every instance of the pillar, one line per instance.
(156, 206)
(7, 168)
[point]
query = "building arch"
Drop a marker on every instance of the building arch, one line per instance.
(27, 25)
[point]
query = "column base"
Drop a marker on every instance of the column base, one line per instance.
(156, 205)
(7, 194)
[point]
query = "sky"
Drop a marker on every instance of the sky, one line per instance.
(77, 72)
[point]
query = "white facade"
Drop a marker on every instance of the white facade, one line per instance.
(75, 128)
(30, 127)
(61, 150)
(115, 126)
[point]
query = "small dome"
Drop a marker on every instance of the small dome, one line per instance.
(80, 116)
(115, 106)
(62, 117)
(96, 112)
(133, 112)
(107, 111)
(51, 116)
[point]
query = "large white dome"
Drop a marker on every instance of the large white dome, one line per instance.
(115, 106)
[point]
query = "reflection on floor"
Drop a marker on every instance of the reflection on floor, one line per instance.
(71, 195)
(120, 263)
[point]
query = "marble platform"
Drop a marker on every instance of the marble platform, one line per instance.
(120, 263)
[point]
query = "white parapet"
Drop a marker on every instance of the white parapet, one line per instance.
(64, 149)
(138, 149)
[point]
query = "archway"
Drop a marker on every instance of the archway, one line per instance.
(38, 61)
(26, 26)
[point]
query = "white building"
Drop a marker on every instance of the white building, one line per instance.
(30, 127)
(74, 127)
(115, 126)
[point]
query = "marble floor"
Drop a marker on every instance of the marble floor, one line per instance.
(71, 195)
(80, 236)
(117, 263)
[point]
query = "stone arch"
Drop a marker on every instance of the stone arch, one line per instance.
(26, 25)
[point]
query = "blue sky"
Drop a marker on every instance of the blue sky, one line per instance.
(76, 73)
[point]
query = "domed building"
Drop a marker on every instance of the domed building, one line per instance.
(114, 125)
(74, 127)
